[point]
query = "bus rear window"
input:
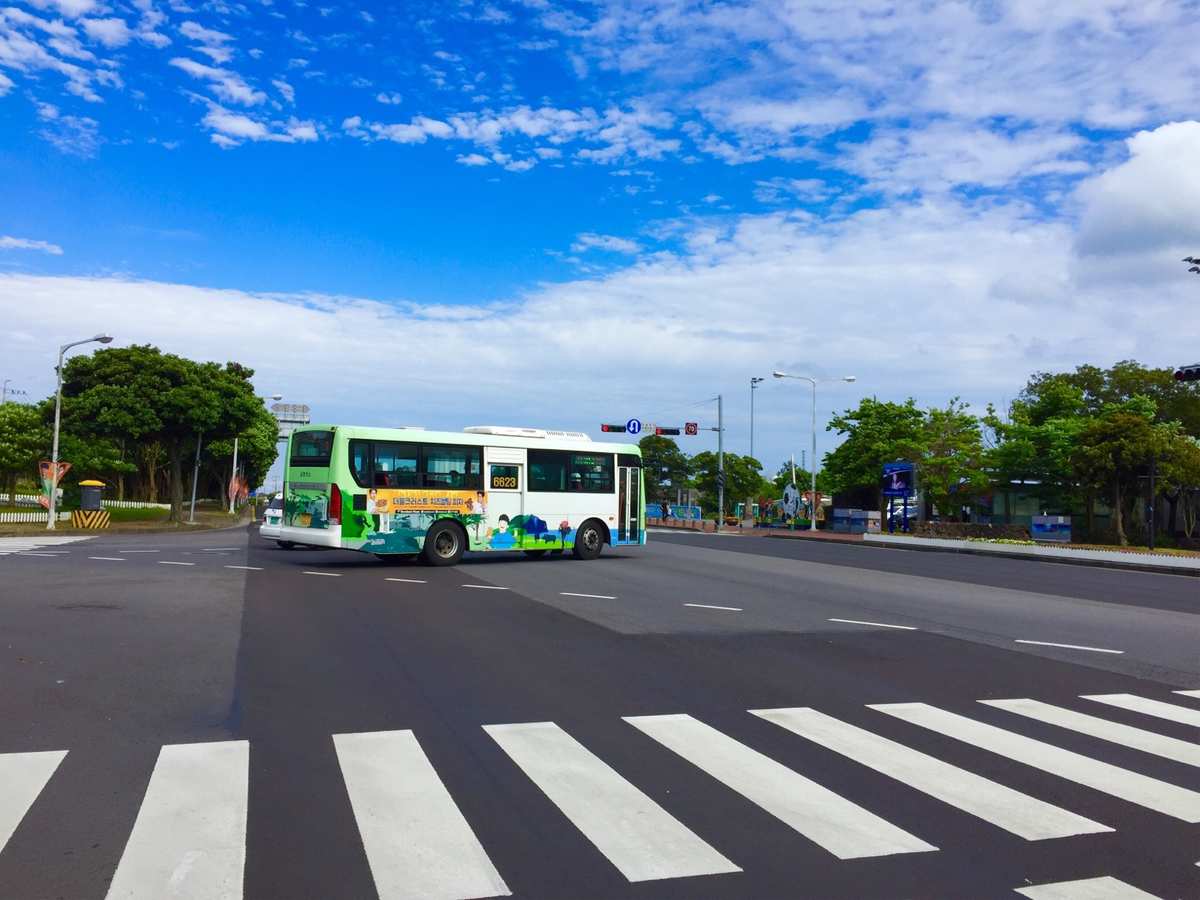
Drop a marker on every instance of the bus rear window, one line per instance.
(311, 448)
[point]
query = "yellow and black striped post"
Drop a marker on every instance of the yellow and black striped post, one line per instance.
(90, 518)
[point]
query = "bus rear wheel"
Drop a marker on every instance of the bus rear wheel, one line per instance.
(589, 540)
(445, 543)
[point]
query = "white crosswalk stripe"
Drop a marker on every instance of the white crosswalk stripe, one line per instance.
(637, 835)
(1115, 732)
(843, 828)
(1011, 810)
(1132, 786)
(418, 844)
(1149, 707)
(189, 840)
(1105, 888)
(1187, 693)
(10, 545)
(22, 777)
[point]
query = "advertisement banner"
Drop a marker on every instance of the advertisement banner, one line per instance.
(50, 477)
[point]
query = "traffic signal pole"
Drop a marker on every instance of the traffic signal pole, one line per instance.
(720, 464)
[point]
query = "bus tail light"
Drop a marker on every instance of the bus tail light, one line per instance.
(335, 505)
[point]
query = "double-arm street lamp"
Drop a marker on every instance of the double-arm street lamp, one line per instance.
(100, 338)
(812, 518)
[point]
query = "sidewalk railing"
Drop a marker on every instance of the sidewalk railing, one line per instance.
(8, 518)
(32, 500)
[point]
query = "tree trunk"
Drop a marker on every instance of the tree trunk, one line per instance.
(1118, 524)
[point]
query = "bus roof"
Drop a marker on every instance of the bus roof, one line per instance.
(474, 439)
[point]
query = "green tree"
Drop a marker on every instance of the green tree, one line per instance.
(1179, 475)
(875, 432)
(665, 467)
(949, 455)
(783, 477)
(153, 398)
(1115, 448)
(743, 478)
(23, 441)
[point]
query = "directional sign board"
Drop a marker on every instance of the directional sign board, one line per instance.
(691, 427)
(898, 479)
(633, 426)
(289, 415)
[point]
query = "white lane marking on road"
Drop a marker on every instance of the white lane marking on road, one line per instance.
(638, 836)
(1099, 776)
(843, 828)
(109, 558)
(247, 568)
(589, 596)
(876, 624)
(1104, 888)
(418, 844)
(169, 562)
(1067, 646)
(1114, 732)
(139, 551)
(706, 606)
(22, 777)
(219, 549)
(189, 840)
(485, 587)
(1187, 694)
(35, 553)
(326, 574)
(408, 580)
(1002, 806)
(1156, 708)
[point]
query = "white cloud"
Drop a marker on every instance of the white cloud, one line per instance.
(225, 84)
(389, 98)
(73, 135)
(194, 31)
(913, 303)
(14, 243)
(590, 241)
(111, 32)
(1149, 202)
(71, 9)
(415, 132)
(285, 90)
(6, 84)
(230, 128)
(473, 159)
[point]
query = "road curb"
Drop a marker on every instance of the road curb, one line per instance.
(1067, 557)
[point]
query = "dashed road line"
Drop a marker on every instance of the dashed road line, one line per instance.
(326, 574)
(707, 606)
(407, 580)
(170, 562)
(215, 549)
(108, 558)
(247, 568)
(589, 596)
(876, 624)
(1068, 646)
(139, 551)
(485, 587)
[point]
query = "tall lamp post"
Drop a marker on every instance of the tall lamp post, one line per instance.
(812, 518)
(754, 382)
(100, 338)
(233, 475)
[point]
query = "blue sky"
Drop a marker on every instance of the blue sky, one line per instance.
(642, 202)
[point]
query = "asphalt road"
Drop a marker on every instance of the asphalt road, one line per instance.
(210, 716)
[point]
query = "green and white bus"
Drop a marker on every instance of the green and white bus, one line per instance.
(401, 492)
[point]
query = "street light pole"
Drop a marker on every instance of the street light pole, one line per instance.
(812, 517)
(53, 508)
(753, 386)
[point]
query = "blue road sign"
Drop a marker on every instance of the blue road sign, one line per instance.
(633, 426)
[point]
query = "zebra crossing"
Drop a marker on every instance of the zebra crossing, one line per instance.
(189, 836)
(36, 546)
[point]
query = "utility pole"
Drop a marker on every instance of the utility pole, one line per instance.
(753, 386)
(720, 430)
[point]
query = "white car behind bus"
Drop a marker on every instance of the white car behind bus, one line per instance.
(272, 519)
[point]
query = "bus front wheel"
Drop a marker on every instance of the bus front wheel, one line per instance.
(589, 540)
(445, 543)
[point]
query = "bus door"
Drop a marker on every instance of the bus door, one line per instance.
(628, 501)
(505, 482)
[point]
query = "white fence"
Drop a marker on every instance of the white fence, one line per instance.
(32, 500)
(31, 517)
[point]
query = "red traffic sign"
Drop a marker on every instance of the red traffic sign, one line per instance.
(691, 427)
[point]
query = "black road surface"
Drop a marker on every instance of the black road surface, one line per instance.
(116, 647)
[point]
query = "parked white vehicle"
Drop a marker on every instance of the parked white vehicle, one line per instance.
(272, 520)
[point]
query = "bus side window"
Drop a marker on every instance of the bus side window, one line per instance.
(396, 464)
(360, 462)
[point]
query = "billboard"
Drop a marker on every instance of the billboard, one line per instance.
(899, 479)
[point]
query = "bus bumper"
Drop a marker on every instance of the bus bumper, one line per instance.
(314, 537)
